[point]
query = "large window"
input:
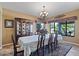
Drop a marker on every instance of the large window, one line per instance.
(70, 29)
(63, 28)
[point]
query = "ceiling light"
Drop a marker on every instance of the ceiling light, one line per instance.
(43, 13)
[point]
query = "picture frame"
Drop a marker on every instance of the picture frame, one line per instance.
(9, 23)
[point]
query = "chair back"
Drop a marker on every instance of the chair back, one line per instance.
(50, 43)
(50, 40)
(56, 36)
(56, 40)
(40, 45)
(39, 40)
(14, 46)
(42, 40)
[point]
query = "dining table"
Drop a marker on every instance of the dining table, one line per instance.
(29, 43)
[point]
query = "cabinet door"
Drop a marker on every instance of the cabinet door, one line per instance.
(23, 28)
(18, 28)
(28, 29)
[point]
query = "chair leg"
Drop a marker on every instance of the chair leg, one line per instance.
(48, 48)
(43, 47)
(15, 54)
(51, 47)
(54, 45)
(37, 52)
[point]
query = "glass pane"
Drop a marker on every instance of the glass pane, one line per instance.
(70, 29)
(42, 25)
(38, 26)
(56, 27)
(63, 29)
(52, 27)
(31, 28)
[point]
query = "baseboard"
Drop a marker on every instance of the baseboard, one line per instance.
(7, 44)
(71, 43)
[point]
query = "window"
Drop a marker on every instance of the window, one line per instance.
(64, 28)
(31, 28)
(56, 26)
(42, 25)
(52, 27)
(70, 29)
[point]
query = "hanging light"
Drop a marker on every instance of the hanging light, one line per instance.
(43, 13)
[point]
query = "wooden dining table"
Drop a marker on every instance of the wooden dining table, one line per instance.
(29, 43)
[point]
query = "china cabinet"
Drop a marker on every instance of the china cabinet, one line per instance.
(22, 28)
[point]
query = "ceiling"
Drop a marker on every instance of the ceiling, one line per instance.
(34, 8)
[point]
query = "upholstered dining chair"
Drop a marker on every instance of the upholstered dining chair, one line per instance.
(15, 48)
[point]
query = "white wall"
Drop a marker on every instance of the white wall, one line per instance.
(0, 27)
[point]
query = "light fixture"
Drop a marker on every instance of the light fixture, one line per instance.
(43, 13)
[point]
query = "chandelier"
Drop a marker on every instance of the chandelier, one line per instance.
(44, 13)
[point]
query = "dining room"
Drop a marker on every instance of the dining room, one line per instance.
(39, 29)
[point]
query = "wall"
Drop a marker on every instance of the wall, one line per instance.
(0, 27)
(8, 14)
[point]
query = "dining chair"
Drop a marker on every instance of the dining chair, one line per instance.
(15, 48)
(50, 43)
(43, 43)
(55, 40)
(40, 46)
